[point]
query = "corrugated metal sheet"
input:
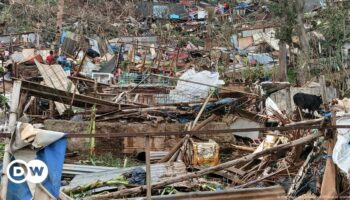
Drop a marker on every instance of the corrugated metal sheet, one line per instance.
(158, 172)
(249, 33)
(70, 46)
(72, 169)
(147, 40)
(269, 193)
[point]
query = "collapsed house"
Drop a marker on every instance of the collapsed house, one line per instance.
(198, 117)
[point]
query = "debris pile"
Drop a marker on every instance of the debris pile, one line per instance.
(183, 107)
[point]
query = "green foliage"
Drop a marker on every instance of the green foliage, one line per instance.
(254, 73)
(5, 14)
(292, 75)
(3, 101)
(331, 23)
(196, 41)
(169, 190)
(2, 149)
(285, 12)
(124, 65)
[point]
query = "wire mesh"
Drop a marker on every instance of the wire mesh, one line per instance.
(144, 79)
(180, 91)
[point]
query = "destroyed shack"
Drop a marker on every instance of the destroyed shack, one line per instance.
(175, 100)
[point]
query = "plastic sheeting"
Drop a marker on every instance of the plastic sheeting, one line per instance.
(53, 157)
(94, 45)
(219, 103)
(27, 135)
(341, 151)
(190, 91)
(263, 58)
(269, 37)
(24, 145)
(271, 106)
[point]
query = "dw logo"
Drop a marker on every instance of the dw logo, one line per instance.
(35, 171)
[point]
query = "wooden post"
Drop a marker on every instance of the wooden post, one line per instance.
(282, 58)
(11, 46)
(14, 70)
(16, 91)
(75, 90)
(93, 131)
(37, 39)
(330, 184)
(148, 168)
(95, 88)
(80, 65)
(59, 25)
(159, 57)
(3, 84)
(323, 89)
(22, 101)
(144, 61)
(177, 58)
(201, 111)
(51, 107)
(289, 99)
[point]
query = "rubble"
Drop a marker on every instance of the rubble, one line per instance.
(189, 99)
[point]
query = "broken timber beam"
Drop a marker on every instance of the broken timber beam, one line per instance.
(16, 92)
(209, 170)
(49, 93)
(73, 78)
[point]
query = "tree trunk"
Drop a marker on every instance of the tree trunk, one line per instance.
(304, 43)
(282, 69)
(59, 25)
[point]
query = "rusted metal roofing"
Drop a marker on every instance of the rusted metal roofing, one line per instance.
(159, 172)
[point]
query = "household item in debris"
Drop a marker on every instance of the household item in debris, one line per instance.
(205, 153)
(102, 77)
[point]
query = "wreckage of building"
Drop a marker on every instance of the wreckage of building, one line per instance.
(177, 100)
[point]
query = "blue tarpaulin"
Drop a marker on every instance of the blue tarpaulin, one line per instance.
(242, 6)
(174, 16)
(63, 35)
(212, 105)
(53, 156)
(263, 58)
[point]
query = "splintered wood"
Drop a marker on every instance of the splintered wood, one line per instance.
(55, 77)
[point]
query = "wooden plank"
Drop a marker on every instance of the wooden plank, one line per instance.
(63, 196)
(236, 171)
(225, 174)
(55, 77)
(49, 93)
(16, 91)
(86, 80)
(148, 168)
